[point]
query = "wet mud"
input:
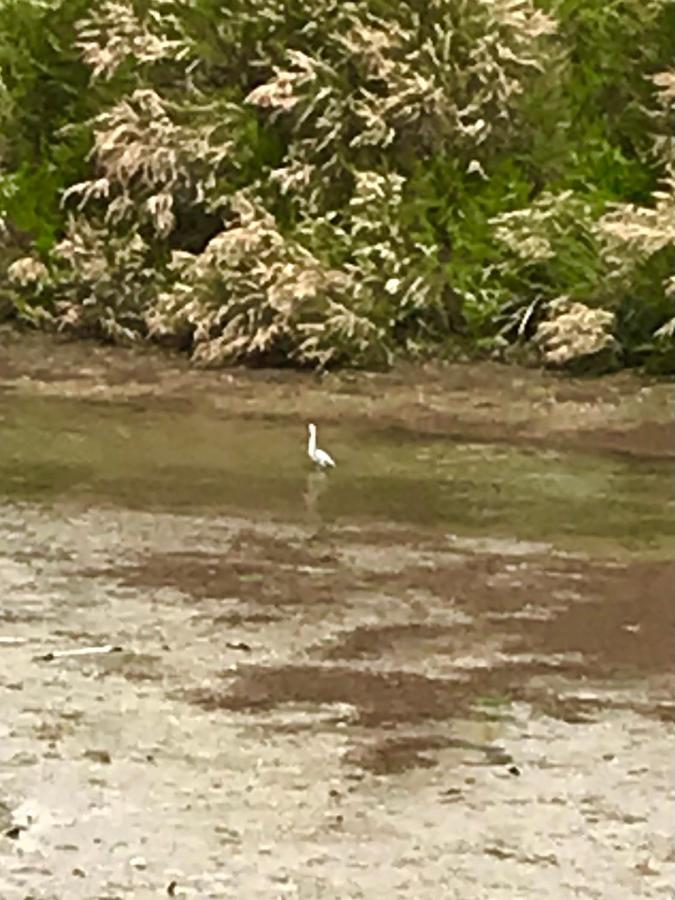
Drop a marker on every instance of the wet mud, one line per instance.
(447, 671)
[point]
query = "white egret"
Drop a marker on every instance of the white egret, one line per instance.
(322, 459)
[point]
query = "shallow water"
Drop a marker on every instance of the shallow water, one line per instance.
(185, 460)
(443, 670)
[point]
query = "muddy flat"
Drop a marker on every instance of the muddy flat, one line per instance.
(444, 670)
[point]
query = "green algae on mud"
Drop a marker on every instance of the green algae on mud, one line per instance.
(182, 459)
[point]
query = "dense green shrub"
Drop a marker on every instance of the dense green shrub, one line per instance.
(327, 183)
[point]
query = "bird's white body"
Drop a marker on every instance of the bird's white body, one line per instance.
(322, 459)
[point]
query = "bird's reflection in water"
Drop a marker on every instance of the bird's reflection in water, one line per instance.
(314, 487)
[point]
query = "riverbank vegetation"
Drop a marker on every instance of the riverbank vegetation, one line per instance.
(340, 183)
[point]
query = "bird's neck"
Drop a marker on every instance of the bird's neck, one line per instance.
(311, 443)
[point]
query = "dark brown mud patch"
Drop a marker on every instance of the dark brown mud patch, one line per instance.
(502, 583)
(395, 755)
(202, 576)
(625, 624)
(652, 440)
(373, 642)
(379, 699)
(480, 583)
(619, 617)
(271, 549)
